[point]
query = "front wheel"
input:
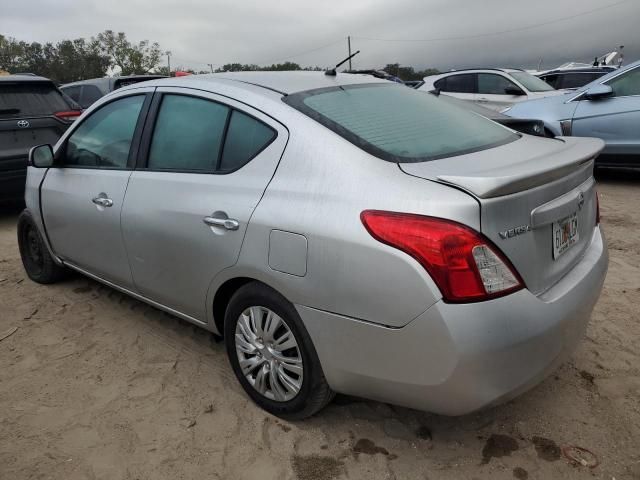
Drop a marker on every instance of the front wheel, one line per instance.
(36, 259)
(272, 354)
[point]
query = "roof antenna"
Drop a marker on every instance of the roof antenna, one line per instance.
(332, 72)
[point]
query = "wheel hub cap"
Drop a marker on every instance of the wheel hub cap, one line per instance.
(269, 354)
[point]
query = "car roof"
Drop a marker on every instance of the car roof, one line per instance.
(285, 83)
(580, 70)
(482, 69)
(24, 78)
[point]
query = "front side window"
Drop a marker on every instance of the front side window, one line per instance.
(188, 134)
(531, 83)
(493, 84)
(103, 139)
(465, 83)
(626, 84)
(399, 124)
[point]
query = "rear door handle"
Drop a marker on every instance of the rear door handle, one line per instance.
(226, 223)
(102, 201)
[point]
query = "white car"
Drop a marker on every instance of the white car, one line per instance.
(495, 88)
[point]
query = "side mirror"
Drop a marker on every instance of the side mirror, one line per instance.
(598, 92)
(513, 90)
(41, 156)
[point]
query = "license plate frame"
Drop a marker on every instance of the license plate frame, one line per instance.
(565, 234)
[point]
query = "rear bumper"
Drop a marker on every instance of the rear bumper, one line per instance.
(454, 359)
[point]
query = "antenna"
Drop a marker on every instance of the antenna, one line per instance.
(332, 72)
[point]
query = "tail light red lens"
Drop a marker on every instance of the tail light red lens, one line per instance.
(68, 115)
(464, 264)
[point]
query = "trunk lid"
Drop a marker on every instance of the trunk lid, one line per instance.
(523, 188)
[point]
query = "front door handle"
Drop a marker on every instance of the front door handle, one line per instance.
(102, 201)
(226, 223)
(483, 100)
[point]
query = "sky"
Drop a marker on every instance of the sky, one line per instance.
(442, 34)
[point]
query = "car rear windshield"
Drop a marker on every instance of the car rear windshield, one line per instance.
(531, 83)
(30, 99)
(399, 124)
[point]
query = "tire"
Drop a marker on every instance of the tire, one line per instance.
(255, 304)
(36, 259)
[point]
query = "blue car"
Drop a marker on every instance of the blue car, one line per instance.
(607, 108)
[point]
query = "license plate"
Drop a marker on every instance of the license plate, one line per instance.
(565, 234)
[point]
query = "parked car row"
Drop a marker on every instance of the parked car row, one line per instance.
(607, 108)
(342, 232)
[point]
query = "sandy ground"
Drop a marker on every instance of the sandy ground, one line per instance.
(95, 385)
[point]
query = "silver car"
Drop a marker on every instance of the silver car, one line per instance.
(607, 108)
(343, 233)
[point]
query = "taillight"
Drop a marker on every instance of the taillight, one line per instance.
(597, 209)
(465, 265)
(68, 115)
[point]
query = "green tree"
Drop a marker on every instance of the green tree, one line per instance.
(130, 58)
(408, 73)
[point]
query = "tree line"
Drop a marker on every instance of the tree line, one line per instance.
(78, 59)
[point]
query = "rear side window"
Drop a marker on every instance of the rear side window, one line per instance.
(493, 84)
(465, 83)
(73, 92)
(30, 99)
(399, 124)
(90, 93)
(103, 139)
(246, 137)
(188, 134)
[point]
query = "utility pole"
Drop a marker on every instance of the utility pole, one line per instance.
(349, 47)
(210, 66)
(169, 62)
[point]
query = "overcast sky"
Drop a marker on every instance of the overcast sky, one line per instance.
(485, 33)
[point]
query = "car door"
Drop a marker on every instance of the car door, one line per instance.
(614, 119)
(462, 86)
(82, 195)
(492, 91)
(204, 166)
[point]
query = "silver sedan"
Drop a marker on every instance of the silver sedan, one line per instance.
(343, 233)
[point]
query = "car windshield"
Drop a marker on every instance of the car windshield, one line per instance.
(399, 124)
(531, 83)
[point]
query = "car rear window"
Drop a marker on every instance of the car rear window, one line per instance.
(30, 99)
(399, 124)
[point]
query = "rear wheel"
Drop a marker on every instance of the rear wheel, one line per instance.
(272, 355)
(37, 261)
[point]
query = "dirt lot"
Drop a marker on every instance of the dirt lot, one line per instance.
(95, 385)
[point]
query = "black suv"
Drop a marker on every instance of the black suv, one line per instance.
(574, 77)
(32, 112)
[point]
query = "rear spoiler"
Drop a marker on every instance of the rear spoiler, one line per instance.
(530, 173)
